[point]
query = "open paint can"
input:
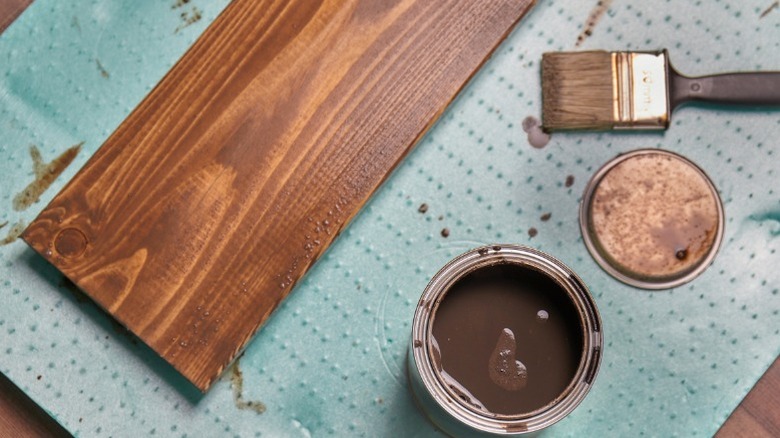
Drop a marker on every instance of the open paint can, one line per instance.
(506, 340)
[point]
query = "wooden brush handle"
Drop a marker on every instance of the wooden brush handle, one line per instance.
(757, 89)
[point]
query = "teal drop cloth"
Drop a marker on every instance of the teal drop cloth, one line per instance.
(331, 360)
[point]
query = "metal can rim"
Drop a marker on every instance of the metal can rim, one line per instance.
(603, 262)
(496, 424)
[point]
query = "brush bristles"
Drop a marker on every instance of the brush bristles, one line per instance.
(577, 91)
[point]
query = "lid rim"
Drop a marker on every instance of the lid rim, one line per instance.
(602, 259)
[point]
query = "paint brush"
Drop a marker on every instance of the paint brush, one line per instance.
(599, 90)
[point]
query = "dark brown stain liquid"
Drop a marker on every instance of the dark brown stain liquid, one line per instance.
(593, 19)
(507, 339)
(237, 382)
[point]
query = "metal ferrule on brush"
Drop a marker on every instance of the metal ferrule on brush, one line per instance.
(640, 90)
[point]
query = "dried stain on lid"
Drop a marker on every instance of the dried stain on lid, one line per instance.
(652, 219)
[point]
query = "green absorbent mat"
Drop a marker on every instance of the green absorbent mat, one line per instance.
(331, 359)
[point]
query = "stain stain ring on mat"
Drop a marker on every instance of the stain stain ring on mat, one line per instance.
(652, 219)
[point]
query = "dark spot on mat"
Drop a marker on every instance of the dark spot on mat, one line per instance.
(188, 17)
(423, 208)
(101, 69)
(39, 377)
(441, 217)
(569, 181)
(593, 19)
(45, 174)
(532, 232)
(13, 233)
(536, 136)
(445, 232)
(237, 382)
(771, 8)
(545, 217)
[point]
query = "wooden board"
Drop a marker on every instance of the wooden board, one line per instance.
(198, 215)
(9, 10)
(20, 417)
(758, 414)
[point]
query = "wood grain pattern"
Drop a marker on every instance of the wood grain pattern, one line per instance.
(199, 214)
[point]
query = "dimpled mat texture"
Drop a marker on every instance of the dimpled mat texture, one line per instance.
(331, 359)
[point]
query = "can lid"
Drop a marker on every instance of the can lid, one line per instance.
(652, 219)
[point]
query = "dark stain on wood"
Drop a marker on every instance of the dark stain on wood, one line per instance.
(45, 174)
(593, 18)
(238, 170)
(237, 383)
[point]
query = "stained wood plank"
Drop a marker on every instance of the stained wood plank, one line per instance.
(198, 215)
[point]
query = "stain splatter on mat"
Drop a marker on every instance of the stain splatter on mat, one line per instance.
(45, 174)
